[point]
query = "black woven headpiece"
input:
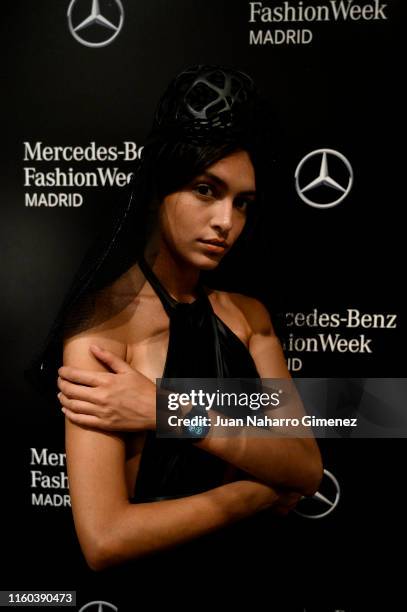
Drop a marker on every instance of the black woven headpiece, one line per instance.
(206, 104)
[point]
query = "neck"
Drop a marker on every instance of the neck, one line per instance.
(178, 276)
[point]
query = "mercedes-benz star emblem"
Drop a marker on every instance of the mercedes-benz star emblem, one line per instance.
(96, 29)
(322, 503)
(324, 188)
(99, 606)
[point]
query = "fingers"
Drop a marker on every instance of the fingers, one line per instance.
(77, 406)
(91, 378)
(77, 391)
(82, 377)
(83, 420)
(286, 502)
(114, 362)
(86, 414)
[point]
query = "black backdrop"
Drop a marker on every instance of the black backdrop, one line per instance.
(342, 92)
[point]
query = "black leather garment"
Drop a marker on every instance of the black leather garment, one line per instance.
(200, 346)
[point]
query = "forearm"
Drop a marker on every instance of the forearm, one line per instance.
(269, 456)
(140, 529)
(292, 463)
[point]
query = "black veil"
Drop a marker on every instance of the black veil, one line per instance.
(214, 109)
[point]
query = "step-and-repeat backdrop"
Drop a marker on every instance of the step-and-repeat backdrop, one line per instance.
(81, 80)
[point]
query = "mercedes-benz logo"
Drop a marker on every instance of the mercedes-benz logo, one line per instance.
(99, 606)
(95, 30)
(322, 503)
(323, 188)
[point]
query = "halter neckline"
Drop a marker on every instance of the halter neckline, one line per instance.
(170, 304)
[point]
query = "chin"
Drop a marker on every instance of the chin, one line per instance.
(210, 265)
(206, 262)
(198, 259)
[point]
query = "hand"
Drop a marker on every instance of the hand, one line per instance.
(123, 400)
(286, 502)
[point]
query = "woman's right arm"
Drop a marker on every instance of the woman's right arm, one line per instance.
(110, 529)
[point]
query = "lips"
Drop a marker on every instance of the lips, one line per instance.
(214, 246)
(216, 242)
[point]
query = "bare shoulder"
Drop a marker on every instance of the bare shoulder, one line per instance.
(108, 319)
(249, 309)
(109, 334)
(262, 341)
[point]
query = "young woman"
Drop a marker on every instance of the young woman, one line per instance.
(149, 315)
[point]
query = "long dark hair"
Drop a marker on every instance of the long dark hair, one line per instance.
(178, 149)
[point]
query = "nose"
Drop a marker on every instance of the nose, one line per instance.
(222, 219)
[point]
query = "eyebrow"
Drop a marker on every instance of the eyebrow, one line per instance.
(216, 179)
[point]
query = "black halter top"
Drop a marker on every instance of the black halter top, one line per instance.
(200, 346)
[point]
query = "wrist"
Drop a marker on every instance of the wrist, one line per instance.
(196, 423)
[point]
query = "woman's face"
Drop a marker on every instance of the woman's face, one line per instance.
(201, 222)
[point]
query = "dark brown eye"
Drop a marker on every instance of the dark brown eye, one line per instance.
(204, 189)
(243, 204)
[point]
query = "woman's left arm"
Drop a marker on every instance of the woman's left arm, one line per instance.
(289, 462)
